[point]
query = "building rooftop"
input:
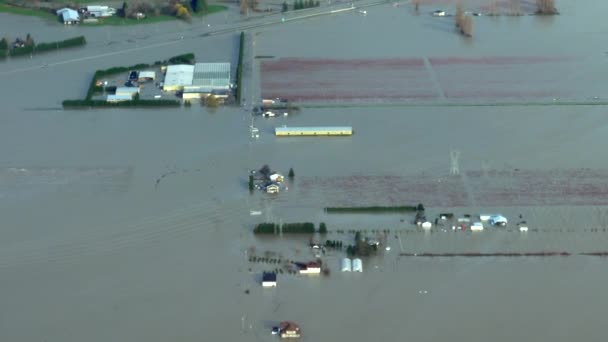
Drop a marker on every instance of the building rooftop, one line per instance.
(212, 75)
(179, 75)
(68, 14)
(269, 276)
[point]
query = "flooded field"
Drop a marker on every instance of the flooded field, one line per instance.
(135, 224)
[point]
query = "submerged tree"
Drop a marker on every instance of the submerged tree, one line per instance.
(467, 26)
(459, 16)
(284, 7)
(291, 174)
(546, 7)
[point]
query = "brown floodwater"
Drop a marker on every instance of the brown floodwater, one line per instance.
(134, 224)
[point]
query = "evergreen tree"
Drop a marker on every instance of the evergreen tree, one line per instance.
(291, 174)
(123, 11)
(194, 5)
(285, 7)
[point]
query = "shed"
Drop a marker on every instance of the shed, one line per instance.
(146, 76)
(289, 329)
(269, 279)
(119, 98)
(357, 265)
(347, 265)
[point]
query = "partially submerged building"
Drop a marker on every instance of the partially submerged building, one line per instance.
(357, 265)
(347, 265)
(310, 268)
(289, 329)
(313, 131)
(69, 16)
(269, 279)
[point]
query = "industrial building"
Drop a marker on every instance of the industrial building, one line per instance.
(313, 131)
(199, 80)
(178, 76)
(69, 16)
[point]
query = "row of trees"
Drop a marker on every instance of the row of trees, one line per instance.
(28, 46)
(181, 9)
(289, 228)
(302, 4)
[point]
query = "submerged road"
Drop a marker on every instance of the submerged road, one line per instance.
(173, 38)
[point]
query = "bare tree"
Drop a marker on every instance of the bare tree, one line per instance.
(515, 7)
(417, 6)
(459, 16)
(466, 28)
(244, 7)
(546, 7)
(493, 8)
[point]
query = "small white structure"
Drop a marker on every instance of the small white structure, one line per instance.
(131, 91)
(523, 229)
(69, 16)
(357, 265)
(439, 13)
(269, 114)
(146, 76)
(477, 227)
(272, 189)
(427, 225)
(119, 98)
(347, 265)
(311, 268)
(498, 220)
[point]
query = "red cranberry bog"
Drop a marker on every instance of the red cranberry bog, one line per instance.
(491, 188)
(479, 79)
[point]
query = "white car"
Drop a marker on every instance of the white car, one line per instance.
(439, 13)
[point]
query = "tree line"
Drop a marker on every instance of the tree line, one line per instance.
(289, 228)
(29, 47)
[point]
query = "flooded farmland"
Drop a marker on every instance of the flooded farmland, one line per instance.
(135, 224)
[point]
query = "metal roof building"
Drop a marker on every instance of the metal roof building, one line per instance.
(313, 131)
(69, 16)
(212, 75)
(178, 76)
